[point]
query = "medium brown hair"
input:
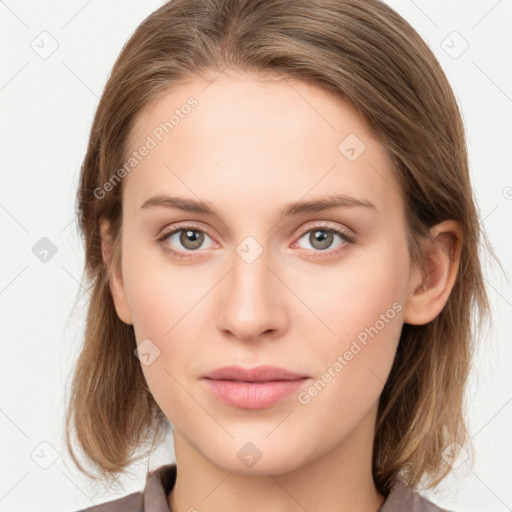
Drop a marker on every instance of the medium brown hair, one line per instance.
(367, 55)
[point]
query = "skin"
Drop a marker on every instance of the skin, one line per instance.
(249, 147)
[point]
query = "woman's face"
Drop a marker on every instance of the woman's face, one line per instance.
(319, 292)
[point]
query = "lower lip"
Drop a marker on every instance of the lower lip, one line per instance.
(253, 395)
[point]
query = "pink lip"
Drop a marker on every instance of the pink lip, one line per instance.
(254, 388)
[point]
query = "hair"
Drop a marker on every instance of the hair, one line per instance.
(366, 54)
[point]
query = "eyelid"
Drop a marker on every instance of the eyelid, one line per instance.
(177, 227)
(182, 226)
(304, 229)
(325, 224)
(348, 234)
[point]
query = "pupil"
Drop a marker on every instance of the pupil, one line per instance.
(322, 238)
(191, 239)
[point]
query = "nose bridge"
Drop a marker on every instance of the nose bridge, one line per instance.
(250, 305)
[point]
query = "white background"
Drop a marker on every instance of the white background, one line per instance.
(47, 109)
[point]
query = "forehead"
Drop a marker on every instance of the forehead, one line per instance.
(248, 140)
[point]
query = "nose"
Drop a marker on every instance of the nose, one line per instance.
(251, 303)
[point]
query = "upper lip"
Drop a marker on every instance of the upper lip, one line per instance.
(258, 374)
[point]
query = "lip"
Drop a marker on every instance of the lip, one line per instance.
(263, 373)
(252, 388)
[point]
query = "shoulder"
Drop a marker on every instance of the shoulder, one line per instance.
(131, 503)
(159, 483)
(403, 498)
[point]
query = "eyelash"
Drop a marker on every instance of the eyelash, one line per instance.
(348, 239)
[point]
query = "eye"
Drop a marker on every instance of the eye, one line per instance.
(322, 237)
(181, 240)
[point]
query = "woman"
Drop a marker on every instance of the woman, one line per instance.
(282, 243)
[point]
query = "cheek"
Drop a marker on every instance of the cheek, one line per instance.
(361, 312)
(165, 315)
(159, 293)
(166, 306)
(365, 293)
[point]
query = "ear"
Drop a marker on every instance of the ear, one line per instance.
(116, 284)
(430, 287)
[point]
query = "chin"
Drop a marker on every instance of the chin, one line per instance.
(272, 465)
(260, 456)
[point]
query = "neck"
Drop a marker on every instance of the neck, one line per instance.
(338, 481)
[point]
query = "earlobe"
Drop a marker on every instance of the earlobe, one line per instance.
(431, 286)
(116, 283)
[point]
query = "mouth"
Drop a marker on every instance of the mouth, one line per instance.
(255, 388)
(258, 374)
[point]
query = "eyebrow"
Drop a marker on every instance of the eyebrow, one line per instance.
(290, 209)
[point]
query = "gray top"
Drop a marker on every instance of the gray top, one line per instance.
(160, 482)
